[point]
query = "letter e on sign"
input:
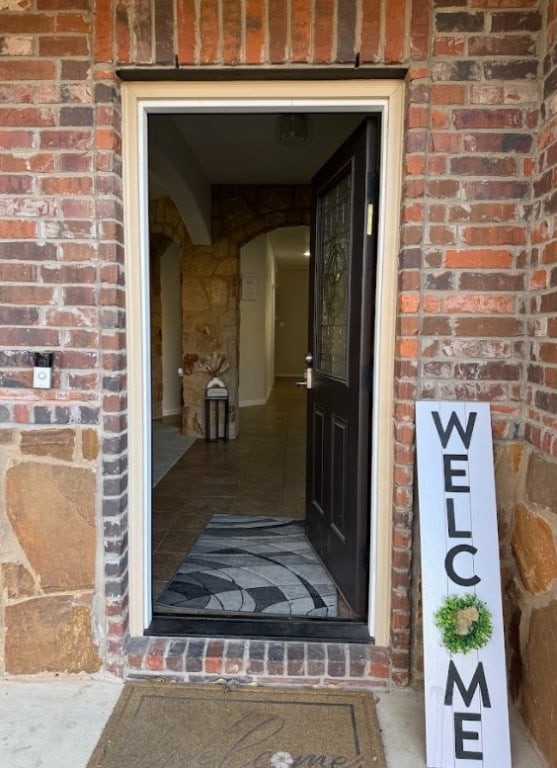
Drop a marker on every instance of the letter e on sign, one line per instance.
(464, 654)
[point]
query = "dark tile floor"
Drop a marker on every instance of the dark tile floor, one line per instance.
(261, 472)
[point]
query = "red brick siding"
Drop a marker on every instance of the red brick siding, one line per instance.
(541, 426)
(259, 32)
(50, 241)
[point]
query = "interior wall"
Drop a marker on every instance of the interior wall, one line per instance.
(291, 319)
(170, 281)
(255, 298)
(270, 310)
(156, 333)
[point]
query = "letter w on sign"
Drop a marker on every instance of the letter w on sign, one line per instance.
(467, 722)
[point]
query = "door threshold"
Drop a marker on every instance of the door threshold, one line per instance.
(333, 630)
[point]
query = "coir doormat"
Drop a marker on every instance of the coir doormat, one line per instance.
(174, 725)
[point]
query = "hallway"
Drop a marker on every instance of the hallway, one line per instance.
(261, 472)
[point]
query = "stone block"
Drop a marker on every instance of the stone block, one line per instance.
(509, 473)
(17, 581)
(217, 291)
(534, 548)
(52, 513)
(514, 656)
(539, 702)
(541, 482)
(510, 465)
(58, 443)
(197, 297)
(6, 436)
(50, 634)
(204, 263)
(89, 444)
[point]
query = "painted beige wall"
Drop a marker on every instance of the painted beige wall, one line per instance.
(255, 343)
(292, 320)
(270, 311)
(171, 331)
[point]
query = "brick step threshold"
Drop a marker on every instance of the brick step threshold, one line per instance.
(261, 661)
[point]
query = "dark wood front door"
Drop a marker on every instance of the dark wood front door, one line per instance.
(342, 291)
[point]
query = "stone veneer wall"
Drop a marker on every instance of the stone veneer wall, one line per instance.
(477, 307)
(527, 501)
(211, 281)
(48, 550)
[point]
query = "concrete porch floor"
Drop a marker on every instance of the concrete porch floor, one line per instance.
(55, 723)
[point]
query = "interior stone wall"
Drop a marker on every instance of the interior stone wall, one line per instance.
(211, 281)
(48, 543)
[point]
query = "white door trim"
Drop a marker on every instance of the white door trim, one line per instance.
(142, 98)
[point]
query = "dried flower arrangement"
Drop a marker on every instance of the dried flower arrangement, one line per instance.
(215, 365)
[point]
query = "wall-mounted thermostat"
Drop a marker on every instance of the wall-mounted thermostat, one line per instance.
(42, 370)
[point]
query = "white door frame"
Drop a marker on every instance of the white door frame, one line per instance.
(139, 99)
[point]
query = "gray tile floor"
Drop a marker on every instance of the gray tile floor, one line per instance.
(262, 472)
(55, 723)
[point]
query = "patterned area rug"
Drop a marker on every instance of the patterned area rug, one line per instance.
(169, 445)
(255, 565)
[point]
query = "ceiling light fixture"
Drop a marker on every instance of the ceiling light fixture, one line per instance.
(292, 129)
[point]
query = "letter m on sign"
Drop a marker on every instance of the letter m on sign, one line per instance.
(465, 688)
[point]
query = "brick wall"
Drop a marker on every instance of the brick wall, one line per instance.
(477, 283)
(61, 255)
(256, 32)
(542, 272)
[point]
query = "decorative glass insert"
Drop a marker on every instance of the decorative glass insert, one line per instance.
(335, 241)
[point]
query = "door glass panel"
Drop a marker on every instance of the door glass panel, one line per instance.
(334, 242)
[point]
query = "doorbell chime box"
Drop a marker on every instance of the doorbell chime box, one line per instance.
(42, 370)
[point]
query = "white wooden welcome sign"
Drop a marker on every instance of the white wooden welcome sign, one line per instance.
(467, 722)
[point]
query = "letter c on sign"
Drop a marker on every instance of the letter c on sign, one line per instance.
(449, 565)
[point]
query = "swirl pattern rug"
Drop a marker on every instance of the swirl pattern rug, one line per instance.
(254, 565)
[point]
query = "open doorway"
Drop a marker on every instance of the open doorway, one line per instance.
(143, 100)
(265, 523)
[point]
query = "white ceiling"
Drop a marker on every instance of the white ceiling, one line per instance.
(245, 149)
(289, 244)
